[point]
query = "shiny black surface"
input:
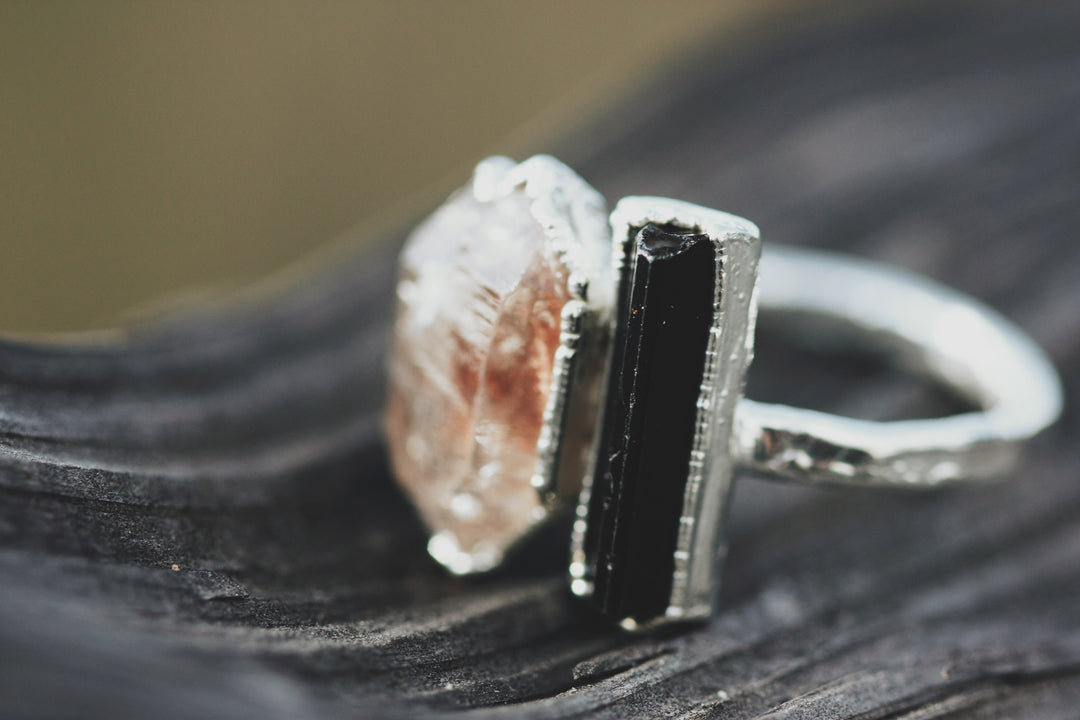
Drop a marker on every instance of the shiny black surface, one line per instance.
(663, 321)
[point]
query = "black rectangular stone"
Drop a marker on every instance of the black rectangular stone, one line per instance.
(664, 314)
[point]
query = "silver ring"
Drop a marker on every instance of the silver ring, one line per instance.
(547, 355)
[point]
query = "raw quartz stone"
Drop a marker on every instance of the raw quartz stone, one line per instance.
(479, 312)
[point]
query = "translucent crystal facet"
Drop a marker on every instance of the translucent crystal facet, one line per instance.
(480, 301)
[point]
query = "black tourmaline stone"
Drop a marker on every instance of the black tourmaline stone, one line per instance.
(665, 311)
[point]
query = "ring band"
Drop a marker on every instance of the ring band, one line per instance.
(948, 336)
(544, 354)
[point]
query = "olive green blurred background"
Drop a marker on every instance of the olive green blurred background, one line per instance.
(149, 150)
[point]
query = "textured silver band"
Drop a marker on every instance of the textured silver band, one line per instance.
(949, 337)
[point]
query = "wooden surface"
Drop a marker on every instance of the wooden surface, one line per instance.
(199, 523)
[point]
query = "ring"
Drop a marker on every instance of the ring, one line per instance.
(548, 356)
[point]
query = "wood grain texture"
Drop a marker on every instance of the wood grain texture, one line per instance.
(199, 521)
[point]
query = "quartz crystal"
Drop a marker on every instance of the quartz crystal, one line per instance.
(480, 299)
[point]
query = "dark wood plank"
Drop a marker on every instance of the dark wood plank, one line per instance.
(199, 521)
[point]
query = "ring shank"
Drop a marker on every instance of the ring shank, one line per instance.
(941, 333)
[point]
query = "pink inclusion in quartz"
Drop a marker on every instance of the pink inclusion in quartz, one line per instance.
(479, 309)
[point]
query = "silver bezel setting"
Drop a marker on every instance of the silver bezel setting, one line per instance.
(728, 354)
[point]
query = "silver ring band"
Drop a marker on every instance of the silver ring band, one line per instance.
(950, 337)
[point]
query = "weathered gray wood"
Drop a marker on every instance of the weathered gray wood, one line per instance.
(199, 522)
